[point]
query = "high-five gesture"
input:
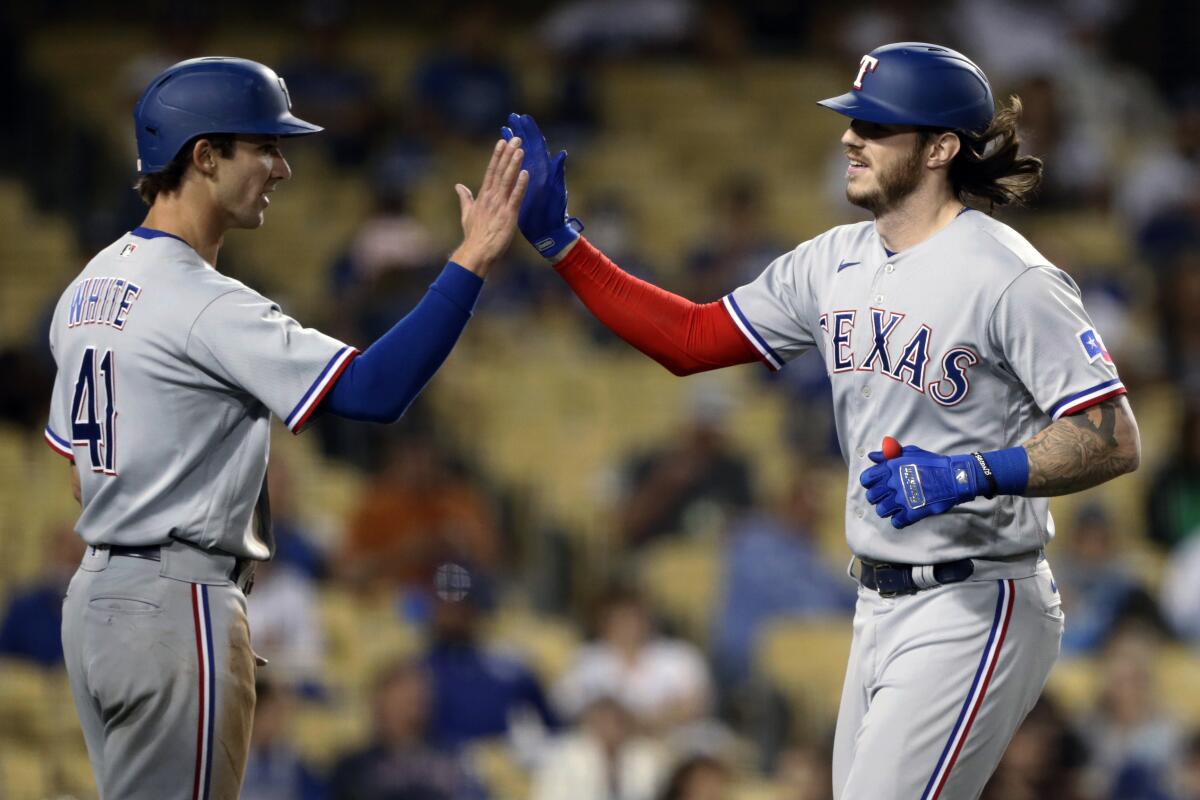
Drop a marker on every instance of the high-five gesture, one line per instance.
(489, 220)
(544, 220)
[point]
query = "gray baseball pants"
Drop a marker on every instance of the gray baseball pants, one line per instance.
(939, 681)
(158, 654)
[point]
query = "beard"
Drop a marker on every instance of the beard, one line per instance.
(894, 186)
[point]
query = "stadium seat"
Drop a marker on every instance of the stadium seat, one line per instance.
(805, 659)
(497, 767)
(681, 579)
(24, 773)
(27, 703)
(546, 643)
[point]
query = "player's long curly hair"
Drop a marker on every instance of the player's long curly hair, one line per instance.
(990, 170)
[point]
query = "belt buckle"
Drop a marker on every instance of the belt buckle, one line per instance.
(889, 581)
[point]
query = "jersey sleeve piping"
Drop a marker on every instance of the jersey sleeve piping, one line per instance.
(59, 445)
(768, 355)
(319, 388)
(1073, 404)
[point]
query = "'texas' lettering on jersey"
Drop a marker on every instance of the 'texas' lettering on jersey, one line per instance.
(906, 364)
(102, 301)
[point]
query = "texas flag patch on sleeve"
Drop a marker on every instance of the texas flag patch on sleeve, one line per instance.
(1093, 346)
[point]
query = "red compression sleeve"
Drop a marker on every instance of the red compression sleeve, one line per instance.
(683, 336)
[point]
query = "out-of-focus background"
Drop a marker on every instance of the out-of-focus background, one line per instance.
(567, 574)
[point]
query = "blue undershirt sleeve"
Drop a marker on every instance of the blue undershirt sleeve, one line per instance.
(380, 384)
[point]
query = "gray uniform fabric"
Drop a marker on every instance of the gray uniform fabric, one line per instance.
(968, 341)
(168, 374)
(200, 362)
(938, 682)
(163, 677)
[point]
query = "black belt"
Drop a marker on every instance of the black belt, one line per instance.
(242, 575)
(150, 552)
(896, 579)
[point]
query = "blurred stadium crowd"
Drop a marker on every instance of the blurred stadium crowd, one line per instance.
(567, 574)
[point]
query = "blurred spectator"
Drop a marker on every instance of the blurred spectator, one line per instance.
(610, 223)
(465, 87)
(274, 770)
(1161, 177)
(693, 484)
(1046, 758)
(479, 693)
(619, 28)
(1133, 743)
(32, 626)
(773, 567)
(416, 514)
(775, 27)
(1179, 289)
(736, 247)
(389, 263)
(1098, 591)
(603, 759)
(285, 625)
(699, 777)
(1180, 591)
(333, 91)
(1173, 504)
(400, 761)
(385, 270)
(663, 682)
(294, 544)
(27, 384)
(804, 772)
(1186, 783)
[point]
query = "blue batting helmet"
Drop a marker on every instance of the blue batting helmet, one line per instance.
(210, 95)
(914, 83)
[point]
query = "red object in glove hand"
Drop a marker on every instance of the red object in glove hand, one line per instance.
(891, 448)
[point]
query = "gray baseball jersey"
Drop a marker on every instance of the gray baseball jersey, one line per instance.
(168, 372)
(970, 340)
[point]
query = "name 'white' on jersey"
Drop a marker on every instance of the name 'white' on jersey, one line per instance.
(968, 341)
(168, 372)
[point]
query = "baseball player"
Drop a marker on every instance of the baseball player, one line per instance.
(168, 374)
(945, 327)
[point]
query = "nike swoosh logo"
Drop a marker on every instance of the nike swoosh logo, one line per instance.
(845, 264)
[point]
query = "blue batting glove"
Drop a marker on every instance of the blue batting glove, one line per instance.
(918, 484)
(543, 216)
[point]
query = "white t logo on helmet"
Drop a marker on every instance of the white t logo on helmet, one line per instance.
(869, 63)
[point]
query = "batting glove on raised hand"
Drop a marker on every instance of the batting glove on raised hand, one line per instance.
(918, 484)
(543, 217)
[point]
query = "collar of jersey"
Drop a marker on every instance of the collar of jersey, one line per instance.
(894, 253)
(154, 233)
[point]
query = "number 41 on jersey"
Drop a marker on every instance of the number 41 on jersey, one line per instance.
(89, 425)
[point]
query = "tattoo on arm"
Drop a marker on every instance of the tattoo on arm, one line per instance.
(1083, 450)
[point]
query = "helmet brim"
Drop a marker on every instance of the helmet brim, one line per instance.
(859, 106)
(285, 125)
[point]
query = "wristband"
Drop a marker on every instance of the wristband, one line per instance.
(1003, 471)
(552, 243)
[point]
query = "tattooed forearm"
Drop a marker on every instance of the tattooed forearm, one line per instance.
(1083, 450)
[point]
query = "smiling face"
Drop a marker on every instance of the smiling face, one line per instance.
(887, 164)
(243, 181)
